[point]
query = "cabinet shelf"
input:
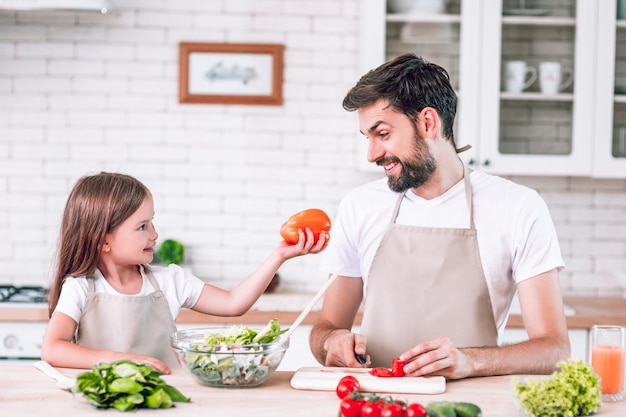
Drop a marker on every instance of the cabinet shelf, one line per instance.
(537, 96)
(620, 98)
(423, 18)
(538, 21)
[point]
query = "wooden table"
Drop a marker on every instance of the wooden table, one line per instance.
(26, 391)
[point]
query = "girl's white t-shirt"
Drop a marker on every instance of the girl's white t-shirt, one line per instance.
(181, 290)
(516, 236)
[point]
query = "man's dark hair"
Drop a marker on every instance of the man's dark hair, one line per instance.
(410, 84)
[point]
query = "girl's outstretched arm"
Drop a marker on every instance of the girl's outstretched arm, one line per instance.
(219, 302)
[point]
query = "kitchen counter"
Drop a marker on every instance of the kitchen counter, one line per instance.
(26, 391)
(286, 307)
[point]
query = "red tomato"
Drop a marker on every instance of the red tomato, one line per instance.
(392, 410)
(372, 409)
(397, 367)
(350, 407)
(346, 385)
(381, 372)
(314, 219)
(415, 410)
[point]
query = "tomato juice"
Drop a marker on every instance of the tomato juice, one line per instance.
(608, 363)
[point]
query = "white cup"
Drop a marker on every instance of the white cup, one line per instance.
(550, 75)
(518, 76)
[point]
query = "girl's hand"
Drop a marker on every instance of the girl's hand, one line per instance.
(150, 361)
(306, 244)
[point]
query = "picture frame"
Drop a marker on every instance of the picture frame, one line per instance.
(231, 73)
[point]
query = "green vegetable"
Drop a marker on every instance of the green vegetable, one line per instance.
(237, 356)
(572, 391)
(171, 252)
(452, 409)
(268, 334)
(440, 409)
(126, 386)
(237, 335)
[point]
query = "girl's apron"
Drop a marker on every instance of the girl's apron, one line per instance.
(425, 283)
(140, 325)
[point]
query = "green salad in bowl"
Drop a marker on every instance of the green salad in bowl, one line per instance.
(231, 357)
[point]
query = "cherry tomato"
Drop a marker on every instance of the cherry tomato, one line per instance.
(415, 410)
(350, 407)
(372, 408)
(397, 367)
(314, 219)
(346, 385)
(392, 410)
(381, 372)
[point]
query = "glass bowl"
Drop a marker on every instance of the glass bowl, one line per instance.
(227, 365)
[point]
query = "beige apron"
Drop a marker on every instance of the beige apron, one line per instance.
(426, 283)
(140, 325)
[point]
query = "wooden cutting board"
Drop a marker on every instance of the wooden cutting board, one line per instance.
(326, 379)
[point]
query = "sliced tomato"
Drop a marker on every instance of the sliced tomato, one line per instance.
(381, 372)
(397, 367)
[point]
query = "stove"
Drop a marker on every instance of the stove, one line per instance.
(21, 337)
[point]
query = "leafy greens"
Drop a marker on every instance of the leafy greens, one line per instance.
(126, 386)
(238, 335)
(572, 391)
(237, 355)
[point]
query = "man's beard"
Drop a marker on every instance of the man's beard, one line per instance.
(414, 172)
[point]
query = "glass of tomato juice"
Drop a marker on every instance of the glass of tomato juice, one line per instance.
(607, 360)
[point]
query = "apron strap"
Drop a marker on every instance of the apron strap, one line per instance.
(468, 195)
(91, 283)
(151, 278)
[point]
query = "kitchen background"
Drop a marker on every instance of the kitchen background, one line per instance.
(82, 92)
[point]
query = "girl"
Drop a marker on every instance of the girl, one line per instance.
(106, 303)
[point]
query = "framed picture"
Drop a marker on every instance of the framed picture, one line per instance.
(229, 73)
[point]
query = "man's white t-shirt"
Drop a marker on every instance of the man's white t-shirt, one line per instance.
(516, 235)
(181, 290)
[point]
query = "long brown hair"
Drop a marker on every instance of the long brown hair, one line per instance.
(96, 206)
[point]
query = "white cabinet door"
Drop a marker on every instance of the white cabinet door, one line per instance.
(609, 135)
(299, 353)
(531, 133)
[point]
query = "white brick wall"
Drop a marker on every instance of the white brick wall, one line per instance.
(81, 92)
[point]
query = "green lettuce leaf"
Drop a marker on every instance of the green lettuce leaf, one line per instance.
(572, 391)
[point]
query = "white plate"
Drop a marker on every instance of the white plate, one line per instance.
(525, 12)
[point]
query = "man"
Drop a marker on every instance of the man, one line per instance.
(436, 252)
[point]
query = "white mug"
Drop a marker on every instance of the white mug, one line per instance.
(518, 76)
(550, 75)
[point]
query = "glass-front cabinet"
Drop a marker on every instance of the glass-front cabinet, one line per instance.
(610, 152)
(541, 83)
